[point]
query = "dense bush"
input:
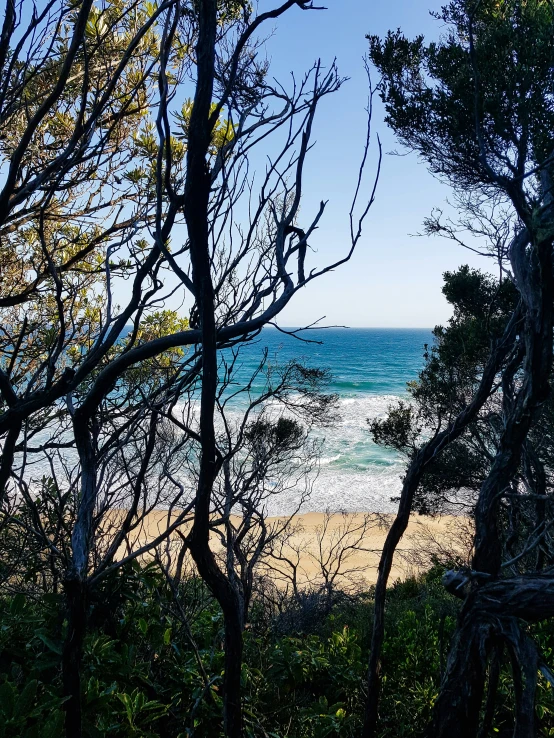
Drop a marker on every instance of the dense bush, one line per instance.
(154, 669)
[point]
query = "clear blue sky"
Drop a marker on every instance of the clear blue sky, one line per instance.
(393, 279)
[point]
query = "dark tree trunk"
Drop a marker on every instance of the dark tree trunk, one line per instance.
(226, 597)
(492, 689)
(409, 487)
(197, 194)
(484, 630)
(8, 455)
(537, 481)
(525, 665)
(76, 598)
(75, 584)
(524, 597)
(464, 681)
(385, 563)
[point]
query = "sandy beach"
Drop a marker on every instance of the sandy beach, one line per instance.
(343, 546)
(320, 539)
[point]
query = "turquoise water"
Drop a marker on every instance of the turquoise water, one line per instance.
(370, 368)
(374, 361)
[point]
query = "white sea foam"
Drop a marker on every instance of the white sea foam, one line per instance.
(355, 474)
(346, 490)
(329, 460)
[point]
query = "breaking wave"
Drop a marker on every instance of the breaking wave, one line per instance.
(355, 474)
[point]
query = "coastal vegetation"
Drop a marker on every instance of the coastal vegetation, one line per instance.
(153, 659)
(475, 107)
(127, 135)
(145, 591)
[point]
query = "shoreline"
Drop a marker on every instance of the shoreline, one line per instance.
(316, 539)
(424, 537)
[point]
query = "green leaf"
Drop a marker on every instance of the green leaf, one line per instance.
(49, 643)
(26, 698)
(17, 604)
(128, 704)
(138, 702)
(167, 637)
(7, 699)
(143, 625)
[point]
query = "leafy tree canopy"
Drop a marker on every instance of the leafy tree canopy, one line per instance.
(478, 103)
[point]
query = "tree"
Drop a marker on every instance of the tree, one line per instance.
(127, 130)
(453, 367)
(476, 106)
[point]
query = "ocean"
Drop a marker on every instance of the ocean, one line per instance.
(370, 368)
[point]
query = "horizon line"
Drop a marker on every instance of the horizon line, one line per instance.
(354, 327)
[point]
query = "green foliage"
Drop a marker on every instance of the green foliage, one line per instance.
(482, 306)
(451, 374)
(141, 678)
(284, 433)
(398, 429)
(323, 677)
(41, 569)
(420, 620)
(223, 131)
(430, 91)
(29, 712)
(30, 650)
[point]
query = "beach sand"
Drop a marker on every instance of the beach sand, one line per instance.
(321, 538)
(317, 539)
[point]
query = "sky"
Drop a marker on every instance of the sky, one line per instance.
(394, 278)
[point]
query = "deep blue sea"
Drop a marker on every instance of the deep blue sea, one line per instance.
(370, 368)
